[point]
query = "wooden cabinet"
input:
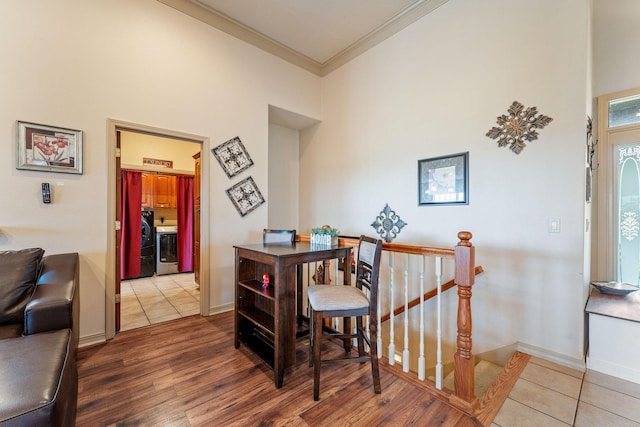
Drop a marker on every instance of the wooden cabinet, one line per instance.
(159, 191)
(165, 191)
(148, 189)
(196, 219)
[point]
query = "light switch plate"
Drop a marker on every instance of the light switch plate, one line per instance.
(553, 225)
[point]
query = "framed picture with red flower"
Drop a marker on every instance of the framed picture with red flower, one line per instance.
(48, 148)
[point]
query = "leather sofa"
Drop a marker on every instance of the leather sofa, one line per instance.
(39, 314)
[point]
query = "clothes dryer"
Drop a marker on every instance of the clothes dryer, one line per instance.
(166, 250)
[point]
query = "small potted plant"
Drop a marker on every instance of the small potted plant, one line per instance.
(324, 236)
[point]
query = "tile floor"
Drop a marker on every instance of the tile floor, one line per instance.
(547, 394)
(156, 299)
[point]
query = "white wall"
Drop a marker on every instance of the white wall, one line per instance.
(284, 168)
(433, 89)
(74, 64)
(436, 88)
(617, 31)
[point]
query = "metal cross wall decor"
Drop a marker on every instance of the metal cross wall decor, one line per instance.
(518, 127)
(388, 224)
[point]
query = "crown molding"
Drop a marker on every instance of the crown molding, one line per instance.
(240, 31)
(224, 23)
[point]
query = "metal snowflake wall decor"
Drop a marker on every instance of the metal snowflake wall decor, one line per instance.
(388, 224)
(518, 127)
(232, 156)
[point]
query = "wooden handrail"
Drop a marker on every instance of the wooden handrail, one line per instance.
(390, 247)
(427, 296)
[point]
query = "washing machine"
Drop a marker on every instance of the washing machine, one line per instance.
(147, 245)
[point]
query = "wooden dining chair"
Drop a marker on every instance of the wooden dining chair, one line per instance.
(278, 236)
(361, 300)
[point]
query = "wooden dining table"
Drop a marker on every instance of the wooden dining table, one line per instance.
(266, 318)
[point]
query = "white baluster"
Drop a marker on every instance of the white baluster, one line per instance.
(439, 330)
(379, 333)
(308, 268)
(368, 329)
(379, 341)
(336, 282)
(392, 346)
(421, 360)
(405, 352)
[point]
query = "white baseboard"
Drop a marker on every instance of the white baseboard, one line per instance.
(92, 340)
(101, 337)
(220, 309)
(551, 356)
(614, 369)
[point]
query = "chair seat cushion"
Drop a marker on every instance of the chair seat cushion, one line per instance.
(336, 297)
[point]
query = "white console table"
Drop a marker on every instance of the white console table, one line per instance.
(614, 335)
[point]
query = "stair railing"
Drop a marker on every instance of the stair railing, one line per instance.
(420, 267)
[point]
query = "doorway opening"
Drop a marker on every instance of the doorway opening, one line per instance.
(143, 150)
(161, 284)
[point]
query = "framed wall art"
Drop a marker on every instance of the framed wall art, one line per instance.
(444, 180)
(245, 196)
(48, 148)
(232, 156)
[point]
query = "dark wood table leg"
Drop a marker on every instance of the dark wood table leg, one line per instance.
(299, 294)
(285, 322)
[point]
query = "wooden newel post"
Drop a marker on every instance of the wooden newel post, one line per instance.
(464, 361)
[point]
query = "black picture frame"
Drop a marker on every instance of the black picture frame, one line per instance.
(444, 180)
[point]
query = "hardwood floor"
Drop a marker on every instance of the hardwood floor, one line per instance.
(186, 372)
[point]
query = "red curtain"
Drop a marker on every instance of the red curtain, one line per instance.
(131, 224)
(184, 190)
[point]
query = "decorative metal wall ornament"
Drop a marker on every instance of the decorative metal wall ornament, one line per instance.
(388, 224)
(232, 156)
(591, 144)
(518, 127)
(591, 151)
(245, 196)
